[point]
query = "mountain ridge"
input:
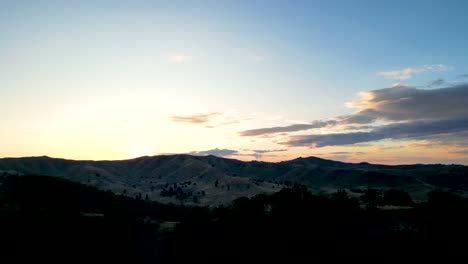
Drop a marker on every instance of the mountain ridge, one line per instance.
(214, 180)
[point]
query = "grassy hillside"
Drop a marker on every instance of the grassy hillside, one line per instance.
(210, 180)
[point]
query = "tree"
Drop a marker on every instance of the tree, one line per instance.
(372, 198)
(397, 197)
(340, 195)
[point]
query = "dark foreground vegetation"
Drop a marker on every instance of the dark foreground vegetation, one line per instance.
(52, 219)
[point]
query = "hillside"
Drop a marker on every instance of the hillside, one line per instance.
(210, 180)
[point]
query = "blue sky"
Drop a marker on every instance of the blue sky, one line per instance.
(111, 79)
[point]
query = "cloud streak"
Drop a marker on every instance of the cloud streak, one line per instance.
(407, 73)
(195, 119)
(215, 152)
(259, 153)
(408, 130)
(290, 128)
(437, 83)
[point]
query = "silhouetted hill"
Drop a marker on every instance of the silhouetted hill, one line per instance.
(210, 180)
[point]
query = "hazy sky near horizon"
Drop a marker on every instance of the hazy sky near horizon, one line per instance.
(377, 81)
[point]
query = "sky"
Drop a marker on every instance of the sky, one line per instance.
(376, 81)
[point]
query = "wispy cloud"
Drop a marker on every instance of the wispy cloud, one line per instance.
(407, 73)
(265, 150)
(462, 152)
(346, 153)
(230, 122)
(290, 128)
(437, 83)
(180, 58)
(215, 152)
(407, 130)
(462, 76)
(259, 153)
(195, 119)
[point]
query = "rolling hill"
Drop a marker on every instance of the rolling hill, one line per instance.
(210, 180)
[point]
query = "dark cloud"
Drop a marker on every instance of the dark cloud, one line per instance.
(462, 76)
(266, 150)
(400, 112)
(316, 141)
(258, 153)
(407, 130)
(400, 103)
(214, 152)
(457, 140)
(437, 83)
(347, 153)
(357, 127)
(404, 103)
(390, 147)
(195, 119)
(362, 117)
(290, 128)
(462, 152)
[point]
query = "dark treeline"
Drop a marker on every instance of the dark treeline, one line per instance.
(47, 218)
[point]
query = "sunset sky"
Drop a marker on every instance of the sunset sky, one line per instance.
(377, 81)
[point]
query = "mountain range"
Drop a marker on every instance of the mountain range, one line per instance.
(211, 180)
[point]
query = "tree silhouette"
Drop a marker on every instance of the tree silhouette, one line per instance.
(372, 198)
(396, 197)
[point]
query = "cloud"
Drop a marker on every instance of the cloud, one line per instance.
(230, 122)
(407, 130)
(457, 140)
(215, 152)
(463, 152)
(438, 116)
(266, 150)
(365, 116)
(195, 119)
(462, 76)
(259, 153)
(290, 128)
(437, 82)
(407, 73)
(399, 103)
(346, 153)
(180, 58)
(409, 103)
